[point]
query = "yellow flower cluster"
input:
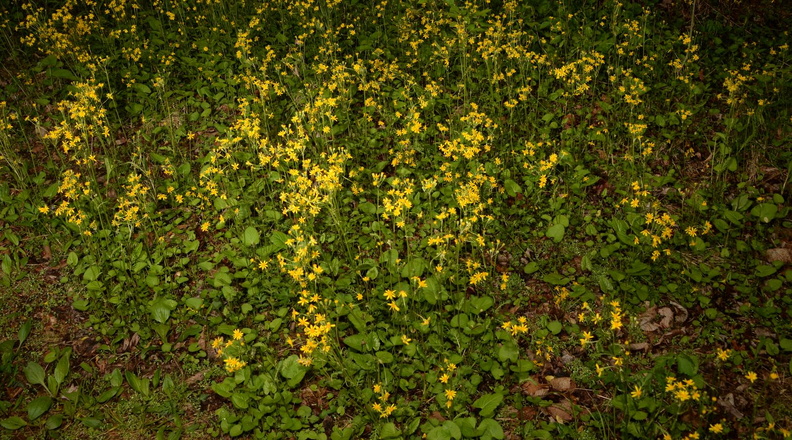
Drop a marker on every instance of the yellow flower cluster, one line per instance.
(382, 407)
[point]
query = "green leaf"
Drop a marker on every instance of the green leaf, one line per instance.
(13, 423)
(240, 400)
(687, 365)
(279, 239)
(35, 374)
(488, 403)
(357, 341)
(251, 236)
(92, 273)
(555, 327)
(765, 211)
(161, 308)
(556, 232)
(108, 394)
(512, 188)
(765, 270)
(508, 352)
(63, 74)
(139, 385)
(24, 331)
(481, 304)
(384, 357)
(556, 279)
(54, 421)
(490, 428)
(91, 422)
(414, 268)
(390, 431)
(785, 344)
(291, 369)
(62, 369)
(38, 407)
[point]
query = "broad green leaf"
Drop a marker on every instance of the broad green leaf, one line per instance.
(35, 374)
(556, 232)
(488, 403)
(509, 351)
(389, 431)
(92, 273)
(251, 236)
(555, 327)
(62, 369)
(24, 331)
(481, 304)
(13, 423)
(38, 406)
(357, 341)
(54, 421)
(91, 422)
(279, 239)
(291, 369)
(512, 188)
(765, 211)
(414, 268)
(490, 428)
(161, 308)
(384, 357)
(687, 365)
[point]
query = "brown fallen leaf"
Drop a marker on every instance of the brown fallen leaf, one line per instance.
(667, 316)
(535, 389)
(561, 411)
(194, 378)
(779, 254)
(562, 384)
(727, 402)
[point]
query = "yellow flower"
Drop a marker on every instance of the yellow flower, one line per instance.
(723, 355)
(394, 306)
(444, 378)
(450, 394)
(405, 340)
(751, 376)
(238, 334)
(716, 428)
(44, 209)
(636, 393)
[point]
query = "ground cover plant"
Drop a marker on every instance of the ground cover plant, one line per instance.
(329, 219)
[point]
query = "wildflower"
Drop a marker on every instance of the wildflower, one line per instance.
(774, 376)
(587, 336)
(238, 334)
(450, 394)
(44, 209)
(394, 306)
(751, 376)
(636, 394)
(444, 378)
(723, 355)
(405, 340)
(716, 428)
